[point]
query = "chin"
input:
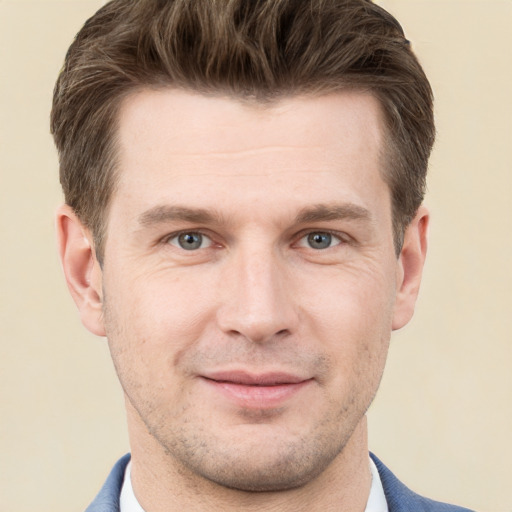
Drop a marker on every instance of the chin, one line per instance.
(276, 475)
(261, 464)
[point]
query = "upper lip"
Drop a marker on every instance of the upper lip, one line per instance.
(254, 379)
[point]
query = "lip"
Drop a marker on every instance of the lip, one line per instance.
(258, 391)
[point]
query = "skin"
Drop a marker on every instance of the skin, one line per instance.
(248, 361)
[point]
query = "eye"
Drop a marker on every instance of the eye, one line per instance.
(190, 241)
(319, 240)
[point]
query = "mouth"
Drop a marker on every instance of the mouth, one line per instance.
(259, 391)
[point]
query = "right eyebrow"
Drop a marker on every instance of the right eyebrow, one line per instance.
(167, 213)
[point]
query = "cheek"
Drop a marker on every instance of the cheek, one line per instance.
(160, 300)
(145, 339)
(351, 315)
(152, 319)
(351, 299)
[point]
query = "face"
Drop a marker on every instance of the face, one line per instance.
(250, 282)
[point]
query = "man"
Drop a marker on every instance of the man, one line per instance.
(243, 222)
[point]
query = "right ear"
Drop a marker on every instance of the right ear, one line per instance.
(81, 268)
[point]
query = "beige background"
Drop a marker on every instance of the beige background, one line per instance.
(443, 418)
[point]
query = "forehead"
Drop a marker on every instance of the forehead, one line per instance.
(225, 123)
(221, 149)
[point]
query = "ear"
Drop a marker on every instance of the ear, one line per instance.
(81, 268)
(410, 268)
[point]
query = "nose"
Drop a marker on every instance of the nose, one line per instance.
(258, 300)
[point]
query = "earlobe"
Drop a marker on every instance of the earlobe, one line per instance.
(81, 268)
(410, 267)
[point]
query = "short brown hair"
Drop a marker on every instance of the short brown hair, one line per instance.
(259, 50)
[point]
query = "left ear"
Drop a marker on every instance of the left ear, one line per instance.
(410, 267)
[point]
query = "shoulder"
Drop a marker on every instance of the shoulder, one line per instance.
(401, 499)
(107, 499)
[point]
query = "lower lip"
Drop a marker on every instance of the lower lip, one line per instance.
(260, 397)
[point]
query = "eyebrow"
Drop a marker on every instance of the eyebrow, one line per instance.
(167, 213)
(316, 213)
(327, 212)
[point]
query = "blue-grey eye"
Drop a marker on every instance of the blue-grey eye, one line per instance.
(189, 241)
(319, 240)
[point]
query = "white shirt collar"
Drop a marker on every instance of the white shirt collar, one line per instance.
(127, 501)
(376, 499)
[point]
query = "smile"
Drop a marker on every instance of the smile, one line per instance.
(258, 391)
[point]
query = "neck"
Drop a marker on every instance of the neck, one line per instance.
(160, 484)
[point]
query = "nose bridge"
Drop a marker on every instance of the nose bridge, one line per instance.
(258, 301)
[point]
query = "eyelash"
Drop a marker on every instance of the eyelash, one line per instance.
(342, 238)
(168, 239)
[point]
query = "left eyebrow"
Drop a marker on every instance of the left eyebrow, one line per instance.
(327, 212)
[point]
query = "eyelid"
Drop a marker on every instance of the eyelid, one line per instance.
(171, 236)
(342, 237)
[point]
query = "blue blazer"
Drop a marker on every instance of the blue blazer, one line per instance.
(398, 496)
